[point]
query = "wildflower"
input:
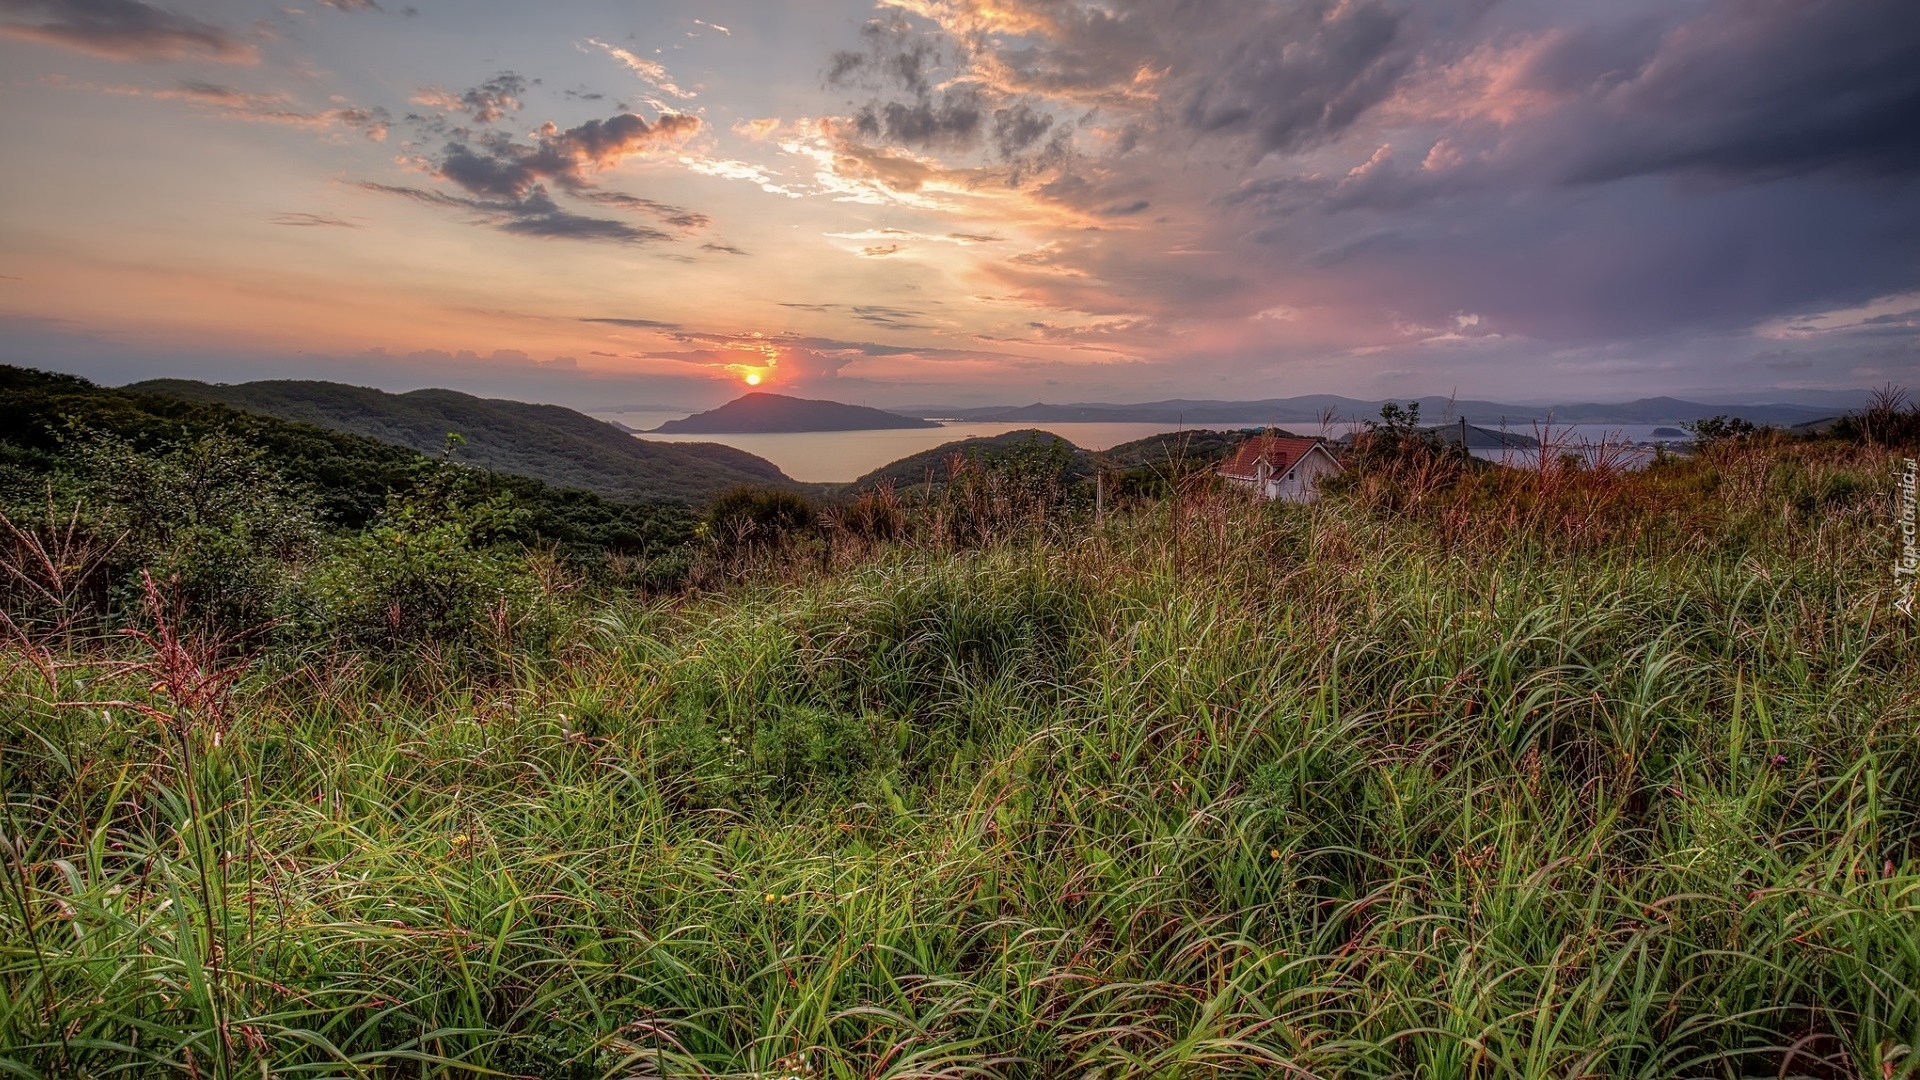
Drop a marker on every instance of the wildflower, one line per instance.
(1273, 853)
(770, 898)
(461, 839)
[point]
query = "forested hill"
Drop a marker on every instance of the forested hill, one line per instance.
(50, 423)
(764, 413)
(1166, 455)
(545, 442)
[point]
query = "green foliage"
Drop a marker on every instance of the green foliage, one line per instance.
(1600, 775)
(758, 517)
(1396, 464)
(547, 443)
(929, 469)
(48, 421)
(1015, 487)
(1717, 429)
(212, 520)
(434, 572)
(1891, 418)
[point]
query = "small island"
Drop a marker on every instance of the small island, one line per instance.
(762, 413)
(1668, 433)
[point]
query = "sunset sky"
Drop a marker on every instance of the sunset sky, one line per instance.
(967, 201)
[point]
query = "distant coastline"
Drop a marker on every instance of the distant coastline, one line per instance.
(762, 413)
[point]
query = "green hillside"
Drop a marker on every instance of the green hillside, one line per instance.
(935, 465)
(545, 442)
(1162, 456)
(45, 418)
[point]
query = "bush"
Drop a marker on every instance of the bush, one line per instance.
(434, 570)
(213, 521)
(1719, 429)
(748, 518)
(1891, 419)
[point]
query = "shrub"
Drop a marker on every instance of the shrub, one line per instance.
(213, 521)
(434, 570)
(747, 518)
(1890, 418)
(1719, 429)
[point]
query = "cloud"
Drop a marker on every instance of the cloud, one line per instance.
(637, 324)
(651, 73)
(234, 103)
(353, 5)
(532, 213)
(123, 30)
(722, 249)
(486, 103)
(1747, 90)
(677, 216)
(497, 166)
(306, 220)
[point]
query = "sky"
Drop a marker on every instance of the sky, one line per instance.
(967, 202)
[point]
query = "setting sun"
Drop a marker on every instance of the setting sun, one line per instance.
(753, 380)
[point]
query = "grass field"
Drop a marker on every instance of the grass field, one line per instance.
(1525, 775)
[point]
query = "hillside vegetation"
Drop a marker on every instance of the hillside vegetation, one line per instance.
(545, 442)
(1460, 772)
(1166, 455)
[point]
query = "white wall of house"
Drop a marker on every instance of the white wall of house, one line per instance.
(1302, 482)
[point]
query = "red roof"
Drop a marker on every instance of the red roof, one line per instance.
(1281, 452)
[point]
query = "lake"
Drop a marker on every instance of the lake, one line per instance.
(836, 457)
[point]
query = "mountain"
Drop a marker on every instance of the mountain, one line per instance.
(1169, 453)
(1311, 408)
(935, 465)
(764, 413)
(48, 421)
(544, 442)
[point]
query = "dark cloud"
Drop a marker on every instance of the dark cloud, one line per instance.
(677, 216)
(122, 30)
(893, 318)
(951, 122)
(900, 64)
(534, 213)
(500, 167)
(486, 103)
(637, 324)
(1288, 76)
(506, 179)
(304, 220)
(722, 249)
(1017, 127)
(1745, 90)
(539, 215)
(896, 54)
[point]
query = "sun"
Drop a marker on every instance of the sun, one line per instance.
(753, 380)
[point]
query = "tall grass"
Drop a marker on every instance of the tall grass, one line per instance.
(1615, 778)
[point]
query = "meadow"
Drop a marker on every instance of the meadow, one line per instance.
(1456, 773)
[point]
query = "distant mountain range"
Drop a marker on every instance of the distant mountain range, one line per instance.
(762, 413)
(544, 442)
(1312, 408)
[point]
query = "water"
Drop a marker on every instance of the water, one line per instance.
(836, 457)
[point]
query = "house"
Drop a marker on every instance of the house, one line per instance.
(1280, 467)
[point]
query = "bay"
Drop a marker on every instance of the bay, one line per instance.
(837, 457)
